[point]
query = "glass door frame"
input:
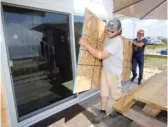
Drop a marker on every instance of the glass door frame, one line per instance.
(8, 80)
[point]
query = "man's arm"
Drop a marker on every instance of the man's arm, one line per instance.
(140, 44)
(96, 53)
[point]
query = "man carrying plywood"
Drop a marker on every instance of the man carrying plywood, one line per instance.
(112, 56)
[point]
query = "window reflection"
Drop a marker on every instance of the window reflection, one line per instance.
(39, 49)
(78, 25)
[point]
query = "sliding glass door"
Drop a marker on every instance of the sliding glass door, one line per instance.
(39, 57)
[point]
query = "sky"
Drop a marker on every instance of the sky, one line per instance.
(152, 28)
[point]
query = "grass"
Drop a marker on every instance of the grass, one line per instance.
(156, 46)
(156, 62)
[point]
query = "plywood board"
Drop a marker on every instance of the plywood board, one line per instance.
(127, 58)
(86, 58)
(96, 76)
(89, 68)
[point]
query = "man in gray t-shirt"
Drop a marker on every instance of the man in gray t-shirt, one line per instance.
(112, 56)
(114, 62)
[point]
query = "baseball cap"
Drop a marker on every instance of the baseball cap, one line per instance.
(113, 25)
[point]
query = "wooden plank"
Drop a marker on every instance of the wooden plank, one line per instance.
(154, 92)
(143, 119)
(126, 101)
(151, 111)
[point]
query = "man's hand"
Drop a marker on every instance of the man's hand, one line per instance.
(81, 42)
(140, 44)
(95, 52)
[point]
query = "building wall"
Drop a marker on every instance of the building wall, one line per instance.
(102, 8)
(56, 5)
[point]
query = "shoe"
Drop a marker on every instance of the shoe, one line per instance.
(114, 114)
(139, 82)
(132, 79)
(101, 115)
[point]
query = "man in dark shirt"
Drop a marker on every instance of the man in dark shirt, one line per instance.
(138, 55)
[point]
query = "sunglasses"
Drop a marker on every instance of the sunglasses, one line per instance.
(140, 33)
(111, 31)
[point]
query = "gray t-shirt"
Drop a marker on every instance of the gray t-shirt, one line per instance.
(113, 63)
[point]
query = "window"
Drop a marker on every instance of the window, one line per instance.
(39, 50)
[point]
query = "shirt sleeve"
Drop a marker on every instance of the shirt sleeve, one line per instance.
(145, 41)
(112, 47)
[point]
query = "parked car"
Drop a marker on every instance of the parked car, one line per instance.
(164, 52)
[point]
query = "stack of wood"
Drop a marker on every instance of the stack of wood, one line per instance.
(153, 95)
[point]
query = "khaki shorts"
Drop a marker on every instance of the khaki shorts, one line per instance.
(110, 84)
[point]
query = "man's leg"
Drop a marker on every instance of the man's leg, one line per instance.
(134, 66)
(115, 90)
(141, 67)
(104, 99)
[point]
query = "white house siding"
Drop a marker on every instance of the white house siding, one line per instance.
(55, 5)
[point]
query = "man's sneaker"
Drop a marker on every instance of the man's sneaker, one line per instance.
(114, 114)
(100, 116)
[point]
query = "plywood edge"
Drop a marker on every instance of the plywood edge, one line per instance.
(82, 84)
